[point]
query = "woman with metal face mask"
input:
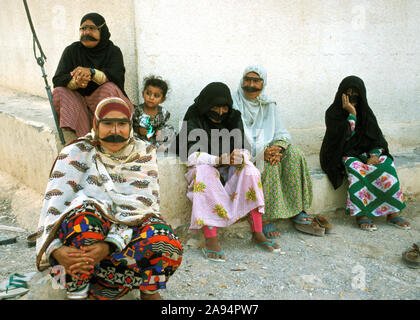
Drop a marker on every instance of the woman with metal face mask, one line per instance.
(284, 171)
(100, 220)
(354, 146)
(89, 70)
(223, 185)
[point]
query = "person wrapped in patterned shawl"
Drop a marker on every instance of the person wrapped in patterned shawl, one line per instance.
(100, 227)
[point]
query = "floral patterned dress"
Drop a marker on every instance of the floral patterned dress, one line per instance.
(374, 190)
(219, 204)
(287, 185)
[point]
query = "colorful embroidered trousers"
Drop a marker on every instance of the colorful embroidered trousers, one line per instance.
(152, 256)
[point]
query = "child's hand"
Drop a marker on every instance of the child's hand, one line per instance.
(162, 148)
(159, 136)
(142, 131)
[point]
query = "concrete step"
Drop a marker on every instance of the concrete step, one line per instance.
(29, 144)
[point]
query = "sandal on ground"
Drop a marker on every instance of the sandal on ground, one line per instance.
(411, 257)
(312, 228)
(368, 221)
(269, 228)
(323, 223)
(267, 243)
(395, 220)
(7, 240)
(80, 294)
(219, 254)
(14, 287)
(299, 219)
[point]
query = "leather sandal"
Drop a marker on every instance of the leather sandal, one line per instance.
(411, 257)
(323, 223)
(307, 226)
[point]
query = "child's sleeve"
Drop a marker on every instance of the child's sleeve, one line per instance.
(136, 116)
(166, 115)
(167, 131)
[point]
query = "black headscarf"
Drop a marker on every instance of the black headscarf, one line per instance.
(105, 56)
(198, 117)
(337, 142)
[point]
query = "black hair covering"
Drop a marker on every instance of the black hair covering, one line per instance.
(197, 117)
(105, 56)
(337, 142)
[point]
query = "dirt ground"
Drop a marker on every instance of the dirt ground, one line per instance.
(348, 264)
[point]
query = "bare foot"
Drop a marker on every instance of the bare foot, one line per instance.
(259, 237)
(365, 225)
(154, 296)
(274, 234)
(213, 245)
(400, 223)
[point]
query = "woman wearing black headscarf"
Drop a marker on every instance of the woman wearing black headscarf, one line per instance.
(354, 146)
(89, 71)
(223, 184)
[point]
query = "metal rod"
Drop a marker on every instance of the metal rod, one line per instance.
(41, 60)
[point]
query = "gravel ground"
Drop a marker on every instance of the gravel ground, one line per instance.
(348, 264)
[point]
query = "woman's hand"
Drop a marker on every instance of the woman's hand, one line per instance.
(82, 82)
(273, 155)
(223, 159)
(236, 158)
(73, 260)
(347, 105)
(82, 76)
(373, 160)
(97, 251)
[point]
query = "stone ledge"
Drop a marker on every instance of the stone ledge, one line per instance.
(29, 145)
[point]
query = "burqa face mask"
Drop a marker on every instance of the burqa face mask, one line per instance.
(87, 37)
(250, 89)
(216, 116)
(114, 138)
(353, 99)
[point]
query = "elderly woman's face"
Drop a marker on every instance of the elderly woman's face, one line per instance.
(90, 35)
(114, 127)
(252, 85)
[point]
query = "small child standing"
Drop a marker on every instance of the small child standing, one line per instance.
(150, 118)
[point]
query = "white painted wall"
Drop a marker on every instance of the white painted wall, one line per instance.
(307, 46)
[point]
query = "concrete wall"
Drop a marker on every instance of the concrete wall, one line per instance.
(306, 46)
